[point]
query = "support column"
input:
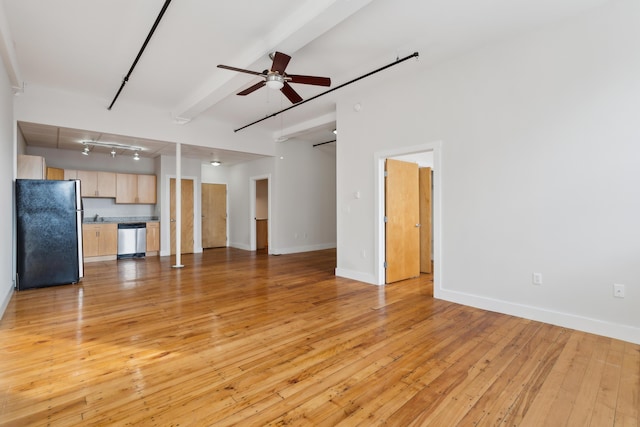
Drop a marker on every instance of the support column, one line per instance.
(178, 242)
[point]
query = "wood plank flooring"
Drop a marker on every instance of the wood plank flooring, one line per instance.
(242, 338)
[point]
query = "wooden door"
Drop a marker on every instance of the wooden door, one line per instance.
(214, 215)
(186, 213)
(425, 221)
(262, 234)
(402, 228)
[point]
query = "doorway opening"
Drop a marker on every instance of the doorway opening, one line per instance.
(430, 151)
(261, 237)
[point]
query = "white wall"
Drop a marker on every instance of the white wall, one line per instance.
(7, 174)
(58, 108)
(240, 220)
(305, 215)
(539, 169)
(302, 196)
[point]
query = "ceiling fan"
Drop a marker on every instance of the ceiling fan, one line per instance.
(276, 78)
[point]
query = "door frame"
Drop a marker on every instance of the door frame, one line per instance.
(252, 212)
(379, 235)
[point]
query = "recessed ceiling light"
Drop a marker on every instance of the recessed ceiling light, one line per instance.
(215, 163)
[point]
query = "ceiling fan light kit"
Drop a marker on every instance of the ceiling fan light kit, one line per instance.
(275, 81)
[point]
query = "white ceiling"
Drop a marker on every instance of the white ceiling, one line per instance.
(88, 47)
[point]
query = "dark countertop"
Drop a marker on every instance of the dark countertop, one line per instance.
(119, 220)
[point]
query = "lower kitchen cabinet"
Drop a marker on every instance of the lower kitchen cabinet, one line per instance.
(153, 237)
(99, 240)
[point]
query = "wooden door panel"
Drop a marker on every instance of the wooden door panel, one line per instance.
(186, 213)
(214, 215)
(425, 221)
(403, 217)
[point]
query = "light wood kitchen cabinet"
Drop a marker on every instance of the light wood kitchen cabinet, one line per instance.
(99, 239)
(31, 167)
(70, 174)
(132, 188)
(55, 173)
(153, 237)
(97, 184)
(147, 189)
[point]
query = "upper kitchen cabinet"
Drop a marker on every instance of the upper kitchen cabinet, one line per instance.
(55, 173)
(31, 167)
(97, 184)
(132, 188)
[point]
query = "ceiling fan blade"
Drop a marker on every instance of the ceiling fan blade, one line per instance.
(309, 80)
(253, 88)
(291, 94)
(241, 70)
(280, 62)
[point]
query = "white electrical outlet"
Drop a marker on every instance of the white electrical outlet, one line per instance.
(536, 278)
(618, 291)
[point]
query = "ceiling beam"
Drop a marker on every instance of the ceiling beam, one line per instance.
(8, 54)
(328, 121)
(296, 30)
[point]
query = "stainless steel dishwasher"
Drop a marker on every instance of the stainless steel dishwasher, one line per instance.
(132, 240)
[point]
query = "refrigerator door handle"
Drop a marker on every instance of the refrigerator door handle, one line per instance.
(79, 219)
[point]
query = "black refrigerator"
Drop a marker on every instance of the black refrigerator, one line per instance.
(48, 233)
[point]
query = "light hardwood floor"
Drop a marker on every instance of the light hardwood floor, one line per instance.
(238, 338)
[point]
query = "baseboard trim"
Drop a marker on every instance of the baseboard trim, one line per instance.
(356, 275)
(585, 324)
(299, 249)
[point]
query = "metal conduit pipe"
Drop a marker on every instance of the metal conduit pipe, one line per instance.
(398, 61)
(144, 46)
